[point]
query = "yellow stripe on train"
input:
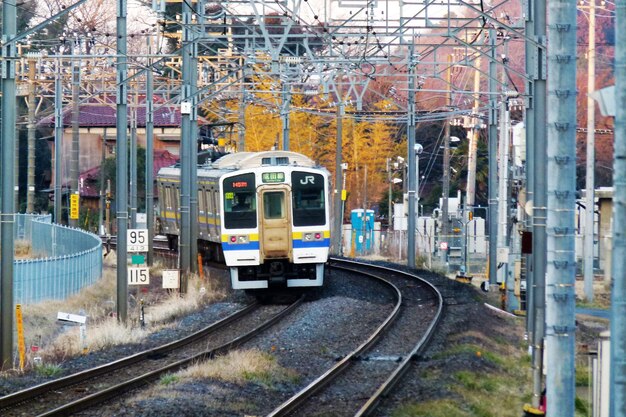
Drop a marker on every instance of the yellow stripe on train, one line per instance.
(254, 237)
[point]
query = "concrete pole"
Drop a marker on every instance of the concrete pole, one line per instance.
(150, 155)
(561, 190)
(618, 294)
(121, 151)
(7, 144)
(337, 230)
(75, 152)
(410, 128)
(590, 164)
(184, 240)
(493, 164)
(58, 142)
(32, 106)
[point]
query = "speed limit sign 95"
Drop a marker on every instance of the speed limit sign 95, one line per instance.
(137, 240)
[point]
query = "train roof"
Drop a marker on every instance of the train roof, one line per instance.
(241, 160)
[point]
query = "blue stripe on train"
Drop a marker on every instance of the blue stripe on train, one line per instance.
(299, 244)
(240, 246)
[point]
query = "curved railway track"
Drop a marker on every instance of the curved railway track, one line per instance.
(400, 282)
(89, 388)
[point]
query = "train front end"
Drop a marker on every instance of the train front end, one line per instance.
(275, 226)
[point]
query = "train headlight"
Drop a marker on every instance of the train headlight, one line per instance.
(308, 237)
(243, 239)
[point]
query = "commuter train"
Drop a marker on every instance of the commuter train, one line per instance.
(265, 214)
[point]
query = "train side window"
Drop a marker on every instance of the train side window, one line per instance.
(273, 205)
(308, 199)
(202, 200)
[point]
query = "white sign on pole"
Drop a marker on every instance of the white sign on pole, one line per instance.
(137, 240)
(73, 318)
(138, 275)
(171, 278)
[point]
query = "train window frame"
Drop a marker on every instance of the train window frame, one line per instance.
(239, 201)
(270, 204)
(314, 186)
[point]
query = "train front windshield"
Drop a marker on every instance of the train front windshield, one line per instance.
(240, 202)
(308, 199)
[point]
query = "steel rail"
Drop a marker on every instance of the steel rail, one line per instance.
(38, 390)
(303, 395)
(371, 404)
(122, 388)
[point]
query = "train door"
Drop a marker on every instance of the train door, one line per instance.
(275, 223)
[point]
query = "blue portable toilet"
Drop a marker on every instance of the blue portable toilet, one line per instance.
(362, 230)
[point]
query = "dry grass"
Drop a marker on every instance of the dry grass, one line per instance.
(98, 303)
(239, 367)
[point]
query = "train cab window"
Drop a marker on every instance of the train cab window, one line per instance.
(239, 202)
(273, 205)
(308, 199)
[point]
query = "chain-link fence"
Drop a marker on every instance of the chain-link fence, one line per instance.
(64, 260)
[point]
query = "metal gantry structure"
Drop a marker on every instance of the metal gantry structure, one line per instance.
(337, 47)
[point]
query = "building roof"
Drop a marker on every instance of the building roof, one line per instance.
(101, 112)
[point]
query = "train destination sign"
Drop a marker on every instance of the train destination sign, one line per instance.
(273, 177)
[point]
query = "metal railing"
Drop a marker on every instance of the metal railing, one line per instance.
(65, 260)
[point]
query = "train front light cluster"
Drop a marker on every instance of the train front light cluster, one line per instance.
(313, 236)
(239, 239)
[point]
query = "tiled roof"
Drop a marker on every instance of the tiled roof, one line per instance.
(102, 113)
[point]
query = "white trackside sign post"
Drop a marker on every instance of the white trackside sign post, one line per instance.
(137, 240)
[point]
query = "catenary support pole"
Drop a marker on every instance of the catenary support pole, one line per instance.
(590, 164)
(121, 151)
(75, 151)
(184, 240)
(193, 149)
(150, 155)
(338, 204)
(7, 144)
(618, 294)
(32, 127)
(58, 141)
(284, 113)
(410, 128)
(561, 199)
(445, 229)
(493, 164)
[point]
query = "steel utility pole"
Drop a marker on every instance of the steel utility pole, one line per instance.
(618, 294)
(561, 189)
(9, 29)
(121, 150)
(590, 164)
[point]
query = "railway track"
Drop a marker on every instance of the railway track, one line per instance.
(89, 388)
(380, 361)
